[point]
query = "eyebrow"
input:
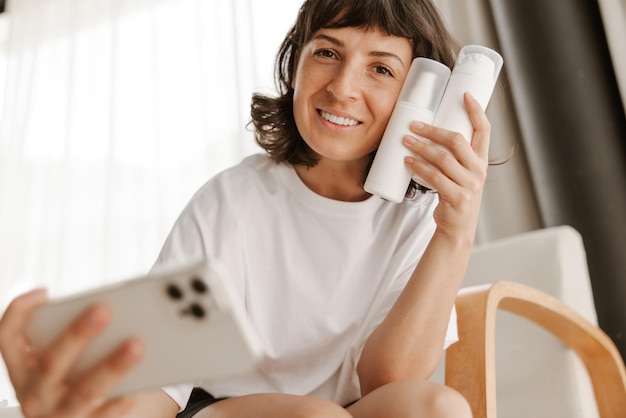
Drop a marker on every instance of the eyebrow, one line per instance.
(337, 42)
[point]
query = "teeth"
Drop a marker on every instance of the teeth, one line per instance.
(338, 120)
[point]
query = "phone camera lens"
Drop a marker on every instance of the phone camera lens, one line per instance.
(198, 285)
(174, 292)
(197, 310)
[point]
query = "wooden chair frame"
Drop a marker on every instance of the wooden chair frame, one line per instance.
(470, 363)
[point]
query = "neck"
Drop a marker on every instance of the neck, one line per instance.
(335, 180)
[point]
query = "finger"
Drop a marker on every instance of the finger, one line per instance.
(433, 177)
(482, 126)
(16, 350)
(441, 170)
(90, 390)
(466, 154)
(448, 140)
(433, 163)
(436, 134)
(57, 360)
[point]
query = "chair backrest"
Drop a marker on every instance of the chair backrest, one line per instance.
(536, 375)
(11, 412)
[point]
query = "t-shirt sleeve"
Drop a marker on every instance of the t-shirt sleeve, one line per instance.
(185, 242)
(180, 394)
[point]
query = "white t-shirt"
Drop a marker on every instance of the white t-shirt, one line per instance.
(315, 275)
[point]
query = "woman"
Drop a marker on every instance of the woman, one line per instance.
(352, 296)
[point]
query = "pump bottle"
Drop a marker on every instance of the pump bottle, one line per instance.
(419, 99)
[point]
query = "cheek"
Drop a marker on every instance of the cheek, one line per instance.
(298, 103)
(382, 100)
(301, 91)
(387, 108)
(383, 109)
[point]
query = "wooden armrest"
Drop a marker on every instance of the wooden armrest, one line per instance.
(470, 363)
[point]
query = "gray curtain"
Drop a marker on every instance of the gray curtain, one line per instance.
(574, 133)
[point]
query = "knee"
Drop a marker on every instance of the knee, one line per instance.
(418, 398)
(310, 407)
(446, 402)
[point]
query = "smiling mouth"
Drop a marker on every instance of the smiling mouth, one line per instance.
(338, 120)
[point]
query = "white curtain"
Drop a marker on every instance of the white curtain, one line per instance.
(112, 113)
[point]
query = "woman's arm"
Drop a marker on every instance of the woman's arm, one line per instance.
(39, 379)
(409, 341)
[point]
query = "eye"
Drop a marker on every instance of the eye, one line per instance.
(324, 53)
(383, 70)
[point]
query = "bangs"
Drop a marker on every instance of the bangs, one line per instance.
(383, 15)
(417, 21)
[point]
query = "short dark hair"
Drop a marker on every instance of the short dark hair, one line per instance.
(416, 20)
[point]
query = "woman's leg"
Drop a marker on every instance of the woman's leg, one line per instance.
(411, 398)
(273, 405)
(400, 399)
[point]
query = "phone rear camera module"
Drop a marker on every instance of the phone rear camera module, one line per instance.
(174, 292)
(198, 285)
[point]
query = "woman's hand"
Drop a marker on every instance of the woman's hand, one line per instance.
(40, 379)
(458, 175)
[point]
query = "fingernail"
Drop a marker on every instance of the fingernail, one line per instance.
(37, 294)
(409, 160)
(410, 140)
(417, 125)
(130, 352)
(95, 316)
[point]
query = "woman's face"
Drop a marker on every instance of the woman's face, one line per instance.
(345, 85)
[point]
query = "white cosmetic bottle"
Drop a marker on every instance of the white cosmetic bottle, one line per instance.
(419, 99)
(475, 71)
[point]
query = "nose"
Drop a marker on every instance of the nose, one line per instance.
(344, 85)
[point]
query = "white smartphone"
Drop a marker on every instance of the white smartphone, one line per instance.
(189, 319)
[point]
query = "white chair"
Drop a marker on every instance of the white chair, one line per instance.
(535, 370)
(10, 412)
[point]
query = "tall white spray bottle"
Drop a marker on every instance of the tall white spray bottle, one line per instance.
(475, 71)
(419, 99)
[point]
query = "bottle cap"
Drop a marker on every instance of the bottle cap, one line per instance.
(479, 60)
(424, 84)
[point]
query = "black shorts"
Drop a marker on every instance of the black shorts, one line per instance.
(199, 400)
